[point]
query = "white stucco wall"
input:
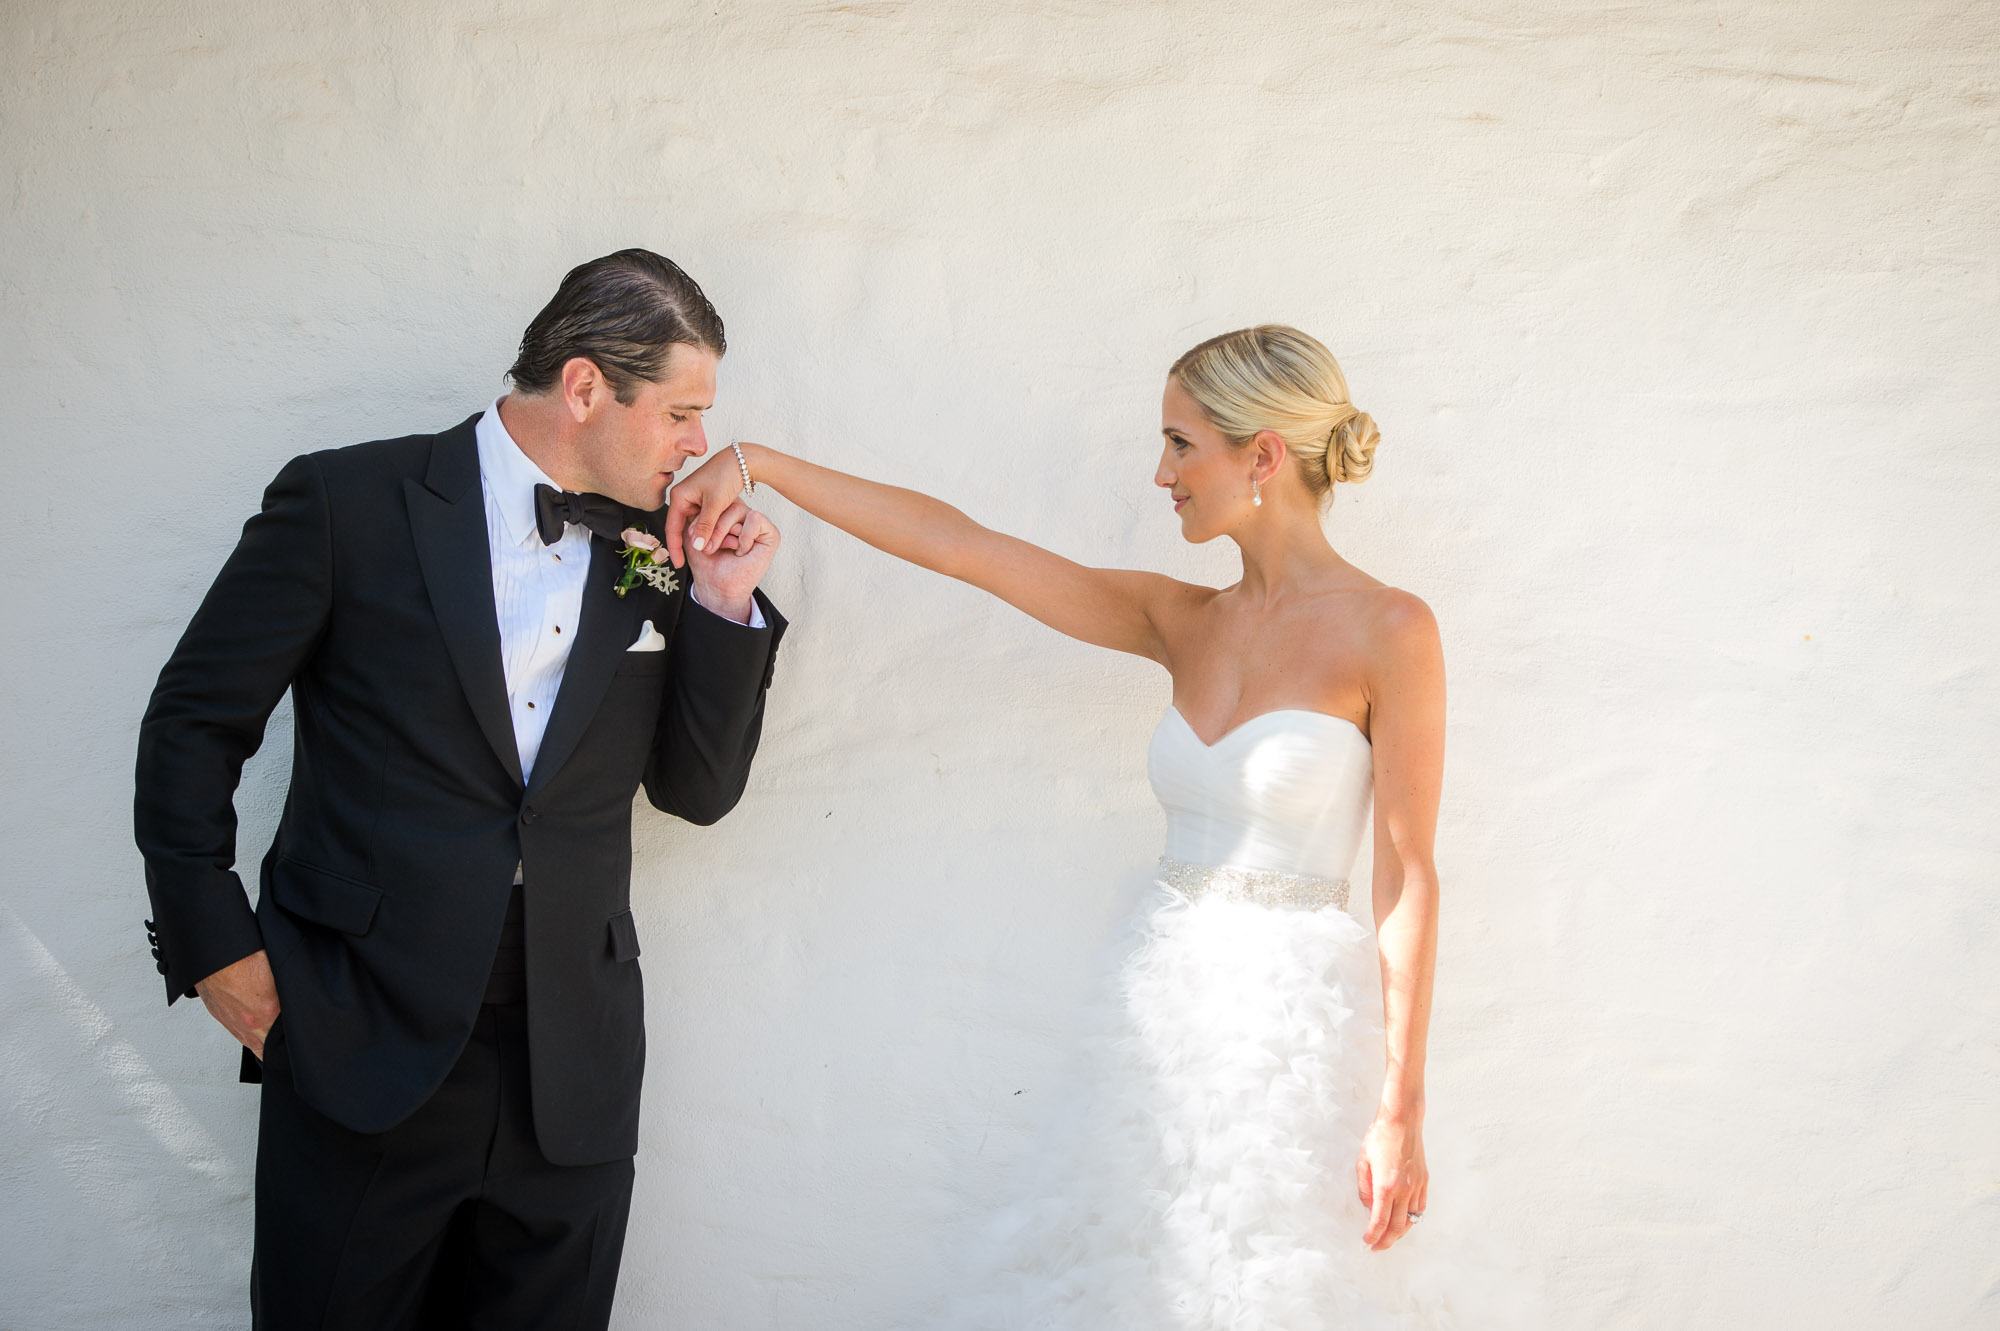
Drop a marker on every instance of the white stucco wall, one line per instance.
(1680, 323)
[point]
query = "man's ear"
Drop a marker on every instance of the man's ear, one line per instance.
(583, 387)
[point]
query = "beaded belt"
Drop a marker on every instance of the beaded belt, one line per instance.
(1264, 887)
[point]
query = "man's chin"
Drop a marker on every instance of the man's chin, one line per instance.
(646, 497)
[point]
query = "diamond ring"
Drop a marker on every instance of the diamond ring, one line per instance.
(1413, 1216)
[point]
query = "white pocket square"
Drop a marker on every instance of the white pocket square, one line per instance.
(650, 639)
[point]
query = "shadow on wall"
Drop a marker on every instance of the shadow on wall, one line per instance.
(157, 1179)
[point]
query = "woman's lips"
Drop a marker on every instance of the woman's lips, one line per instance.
(1178, 503)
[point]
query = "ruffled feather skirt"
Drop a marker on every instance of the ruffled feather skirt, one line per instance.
(1204, 1178)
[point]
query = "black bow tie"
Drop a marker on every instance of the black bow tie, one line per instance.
(555, 508)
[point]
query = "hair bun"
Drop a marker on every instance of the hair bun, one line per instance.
(1352, 448)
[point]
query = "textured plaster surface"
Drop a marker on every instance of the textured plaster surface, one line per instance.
(1679, 321)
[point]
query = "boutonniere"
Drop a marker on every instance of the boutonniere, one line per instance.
(645, 561)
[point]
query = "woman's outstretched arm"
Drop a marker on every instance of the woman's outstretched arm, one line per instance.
(1113, 608)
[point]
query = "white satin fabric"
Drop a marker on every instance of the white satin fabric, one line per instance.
(1287, 790)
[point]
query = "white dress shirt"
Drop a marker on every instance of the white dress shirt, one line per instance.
(537, 589)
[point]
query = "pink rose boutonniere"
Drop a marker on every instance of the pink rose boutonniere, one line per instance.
(645, 561)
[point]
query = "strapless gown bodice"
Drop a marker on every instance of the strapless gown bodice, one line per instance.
(1287, 791)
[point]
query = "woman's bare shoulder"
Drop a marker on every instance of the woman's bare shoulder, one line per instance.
(1397, 613)
(1395, 626)
(1183, 598)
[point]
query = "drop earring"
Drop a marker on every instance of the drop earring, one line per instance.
(1256, 494)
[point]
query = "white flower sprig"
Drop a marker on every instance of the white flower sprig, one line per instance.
(645, 561)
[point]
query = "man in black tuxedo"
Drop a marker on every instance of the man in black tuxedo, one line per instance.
(439, 986)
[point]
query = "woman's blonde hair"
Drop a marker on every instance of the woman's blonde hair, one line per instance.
(1276, 378)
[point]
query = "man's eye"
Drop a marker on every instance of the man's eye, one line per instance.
(678, 418)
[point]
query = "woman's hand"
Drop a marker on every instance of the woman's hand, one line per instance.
(1393, 1177)
(702, 500)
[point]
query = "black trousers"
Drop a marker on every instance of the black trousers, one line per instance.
(451, 1219)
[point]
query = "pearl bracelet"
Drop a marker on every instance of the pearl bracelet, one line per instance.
(749, 486)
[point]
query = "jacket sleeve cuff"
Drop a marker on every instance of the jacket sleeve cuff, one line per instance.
(189, 945)
(756, 620)
(739, 649)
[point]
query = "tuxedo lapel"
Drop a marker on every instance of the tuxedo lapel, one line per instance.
(610, 623)
(448, 520)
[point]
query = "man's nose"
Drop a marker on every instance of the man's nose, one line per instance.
(698, 443)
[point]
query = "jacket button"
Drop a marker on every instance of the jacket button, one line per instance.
(156, 954)
(528, 815)
(150, 926)
(160, 966)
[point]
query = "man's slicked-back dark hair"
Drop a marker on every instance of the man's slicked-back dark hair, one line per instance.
(625, 313)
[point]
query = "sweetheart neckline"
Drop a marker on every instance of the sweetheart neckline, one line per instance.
(1188, 725)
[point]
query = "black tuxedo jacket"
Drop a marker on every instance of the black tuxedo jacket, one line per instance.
(365, 587)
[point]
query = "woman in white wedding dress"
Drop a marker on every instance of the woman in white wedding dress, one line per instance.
(1254, 1145)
